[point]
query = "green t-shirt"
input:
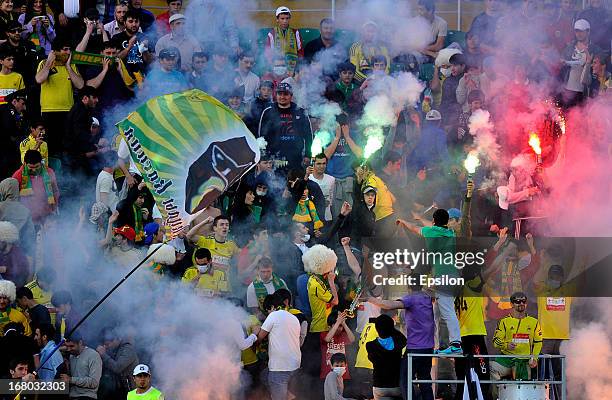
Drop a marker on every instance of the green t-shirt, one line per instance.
(441, 248)
(151, 394)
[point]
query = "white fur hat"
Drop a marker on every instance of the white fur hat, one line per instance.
(166, 255)
(8, 232)
(7, 288)
(319, 260)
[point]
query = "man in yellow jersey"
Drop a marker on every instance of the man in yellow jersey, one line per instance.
(203, 278)
(221, 248)
(10, 81)
(554, 311)
(517, 334)
(362, 52)
(144, 390)
(57, 79)
(470, 309)
(363, 366)
(319, 262)
(383, 208)
(41, 289)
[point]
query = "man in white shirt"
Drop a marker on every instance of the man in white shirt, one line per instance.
(266, 282)
(326, 182)
(117, 25)
(106, 192)
(283, 331)
(439, 27)
(186, 44)
(245, 77)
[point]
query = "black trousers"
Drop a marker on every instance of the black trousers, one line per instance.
(473, 345)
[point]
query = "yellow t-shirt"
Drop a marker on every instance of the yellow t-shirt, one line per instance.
(29, 143)
(384, 199)
(42, 297)
(319, 297)
(367, 335)
(554, 316)
(14, 315)
(10, 83)
(249, 356)
(470, 309)
(56, 92)
(208, 285)
(221, 253)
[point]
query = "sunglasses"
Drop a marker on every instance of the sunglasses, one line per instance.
(519, 301)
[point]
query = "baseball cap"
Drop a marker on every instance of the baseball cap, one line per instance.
(175, 17)
(127, 232)
(454, 213)
(284, 87)
(283, 10)
(582, 25)
(141, 369)
(17, 95)
(167, 53)
(369, 22)
(369, 189)
(502, 194)
(433, 115)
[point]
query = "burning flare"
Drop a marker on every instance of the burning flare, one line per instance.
(471, 162)
(534, 142)
(373, 143)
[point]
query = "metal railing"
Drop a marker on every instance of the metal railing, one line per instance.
(412, 381)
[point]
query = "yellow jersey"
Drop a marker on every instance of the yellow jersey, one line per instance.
(525, 333)
(470, 309)
(554, 315)
(361, 57)
(221, 253)
(249, 356)
(14, 315)
(384, 198)
(42, 297)
(29, 143)
(10, 83)
(208, 285)
(319, 297)
(56, 92)
(368, 334)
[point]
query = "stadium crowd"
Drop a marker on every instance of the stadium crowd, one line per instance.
(292, 242)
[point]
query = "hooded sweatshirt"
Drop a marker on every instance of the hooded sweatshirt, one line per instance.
(13, 211)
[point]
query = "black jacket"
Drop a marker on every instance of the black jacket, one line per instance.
(78, 139)
(12, 132)
(256, 107)
(289, 137)
(386, 362)
(27, 59)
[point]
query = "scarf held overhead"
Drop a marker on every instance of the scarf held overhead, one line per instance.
(305, 211)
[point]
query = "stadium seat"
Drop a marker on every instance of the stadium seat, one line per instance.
(346, 37)
(426, 72)
(308, 34)
(455, 36)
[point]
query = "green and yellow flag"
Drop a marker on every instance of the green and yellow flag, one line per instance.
(190, 148)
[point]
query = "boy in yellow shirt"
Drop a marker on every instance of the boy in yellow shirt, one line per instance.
(9, 81)
(35, 141)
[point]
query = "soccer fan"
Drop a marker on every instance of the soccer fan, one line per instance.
(144, 390)
(284, 40)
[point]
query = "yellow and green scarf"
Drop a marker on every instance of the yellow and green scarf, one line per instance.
(25, 188)
(286, 43)
(305, 211)
(138, 228)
